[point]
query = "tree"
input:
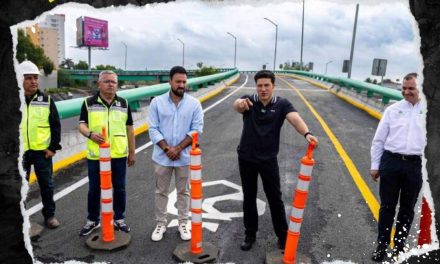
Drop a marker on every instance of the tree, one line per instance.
(206, 70)
(48, 67)
(199, 64)
(102, 67)
(368, 80)
(281, 66)
(81, 65)
(67, 64)
(27, 50)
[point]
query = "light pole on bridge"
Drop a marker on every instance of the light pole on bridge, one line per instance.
(302, 37)
(125, 54)
(327, 63)
(183, 52)
(235, 49)
(276, 39)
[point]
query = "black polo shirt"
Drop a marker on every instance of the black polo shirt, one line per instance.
(260, 138)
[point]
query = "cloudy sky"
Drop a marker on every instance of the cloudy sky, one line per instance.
(385, 30)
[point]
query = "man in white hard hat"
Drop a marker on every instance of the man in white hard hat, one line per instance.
(41, 132)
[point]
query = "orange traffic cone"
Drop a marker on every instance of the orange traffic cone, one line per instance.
(196, 251)
(299, 204)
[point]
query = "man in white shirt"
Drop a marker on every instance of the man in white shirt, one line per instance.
(396, 153)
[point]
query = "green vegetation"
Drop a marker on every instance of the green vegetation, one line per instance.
(206, 70)
(27, 50)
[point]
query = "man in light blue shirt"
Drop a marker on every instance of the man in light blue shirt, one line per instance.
(172, 119)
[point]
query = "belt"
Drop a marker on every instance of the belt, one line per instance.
(403, 157)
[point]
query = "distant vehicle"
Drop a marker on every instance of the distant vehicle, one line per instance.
(127, 86)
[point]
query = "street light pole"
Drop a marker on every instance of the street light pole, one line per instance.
(235, 49)
(276, 39)
(302, 37)
(350, 63)
(326, 66)
(125, 54)
(183, 52)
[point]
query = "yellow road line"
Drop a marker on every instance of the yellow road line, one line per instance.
(351, 167)
(141, 129)
(371, 201)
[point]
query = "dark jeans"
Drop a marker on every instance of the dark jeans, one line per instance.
(43, 171)
(397, 178)
(118, 181)
(270, 177)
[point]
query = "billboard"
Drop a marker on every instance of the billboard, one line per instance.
(91, 32)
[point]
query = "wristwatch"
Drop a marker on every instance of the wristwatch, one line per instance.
(308, 133)
(90, 134)
(165, 149)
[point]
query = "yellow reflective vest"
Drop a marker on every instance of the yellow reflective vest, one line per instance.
(35, 127)
(114, 119)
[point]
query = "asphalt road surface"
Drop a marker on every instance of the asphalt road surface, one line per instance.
(338, 223)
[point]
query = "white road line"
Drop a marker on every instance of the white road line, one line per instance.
(85, 180)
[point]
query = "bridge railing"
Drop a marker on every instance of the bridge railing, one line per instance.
(72, 107)
(386, 94)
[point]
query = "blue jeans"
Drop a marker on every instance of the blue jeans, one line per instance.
(119, 167)
(43, 171)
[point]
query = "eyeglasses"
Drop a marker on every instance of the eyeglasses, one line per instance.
(109, 81)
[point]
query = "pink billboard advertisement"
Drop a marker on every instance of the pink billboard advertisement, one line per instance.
(95, 32)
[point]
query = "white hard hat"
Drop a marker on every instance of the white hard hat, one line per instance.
(27, 67)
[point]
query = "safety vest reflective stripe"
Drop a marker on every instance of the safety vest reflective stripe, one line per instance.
(306, 170)
(35, 126)
(114, 119)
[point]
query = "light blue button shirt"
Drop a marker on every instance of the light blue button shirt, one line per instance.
(172, 123)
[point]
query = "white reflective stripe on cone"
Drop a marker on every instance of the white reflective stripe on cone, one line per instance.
(306, 170)
(196, 160)
(104, 152)
(297, 213)
(105, 166)
(196, 203)
(196, 174)
(107, 193)
(294, 227)
(303, 185)
(196, 218)
(107, 207)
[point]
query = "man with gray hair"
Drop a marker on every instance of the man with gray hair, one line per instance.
(396, 153)
(106, 109)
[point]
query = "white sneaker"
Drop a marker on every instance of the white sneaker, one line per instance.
(158, 233)
(184, 232)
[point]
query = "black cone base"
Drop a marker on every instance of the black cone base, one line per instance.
(183, 253)
(121, 240)
(276, 257)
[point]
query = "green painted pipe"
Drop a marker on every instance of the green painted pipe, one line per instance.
(72, 107)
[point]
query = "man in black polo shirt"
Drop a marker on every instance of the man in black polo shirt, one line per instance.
(263, 117)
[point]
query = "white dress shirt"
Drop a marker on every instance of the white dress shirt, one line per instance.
(401, 130)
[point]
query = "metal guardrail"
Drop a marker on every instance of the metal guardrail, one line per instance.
(72, 107)
(370, 89)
